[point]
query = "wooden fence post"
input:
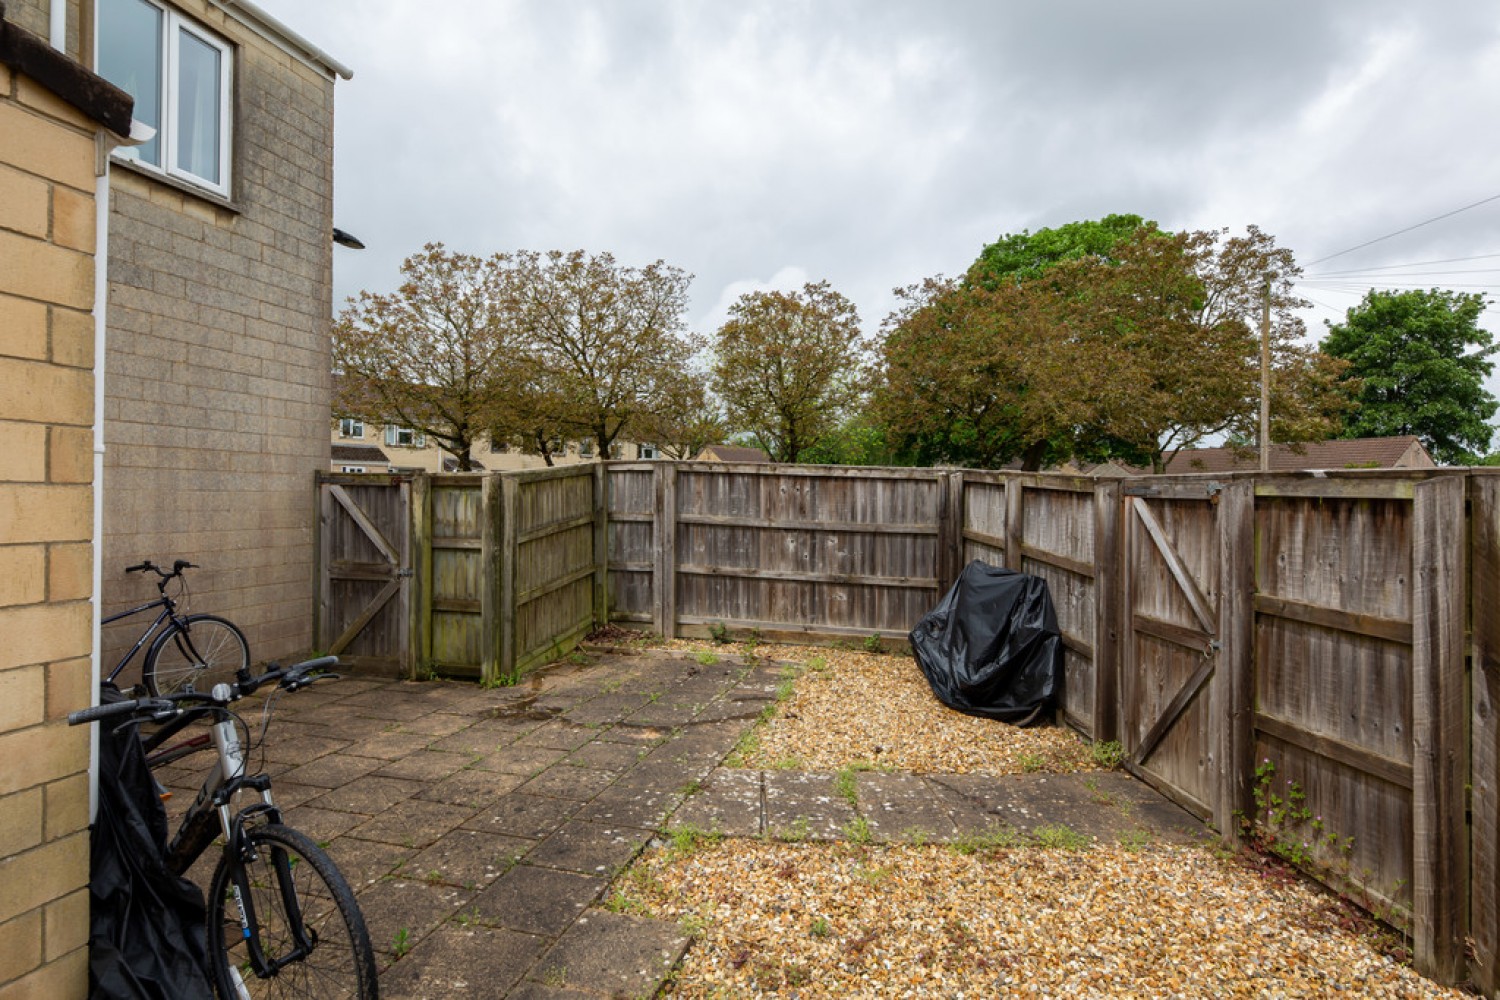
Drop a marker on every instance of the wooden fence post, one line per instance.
(491, 561)
(1484, 876)
(510, 492)
(322, 585)
(601, 544)
(1015, 528)
(1107, 585)
(950, 543)
(419, 652)
(1439, 730)
(664, 577)
(1233, 691)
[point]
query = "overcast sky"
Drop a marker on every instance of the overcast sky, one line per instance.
(873, 143)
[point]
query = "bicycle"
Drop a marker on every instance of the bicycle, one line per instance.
(282, 920)
(186, 651)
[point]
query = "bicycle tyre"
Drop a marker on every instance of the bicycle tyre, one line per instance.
(208, 650)
(341, 962)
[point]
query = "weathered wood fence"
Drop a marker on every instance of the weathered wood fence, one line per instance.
(1332, 640)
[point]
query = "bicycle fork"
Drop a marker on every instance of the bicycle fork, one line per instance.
(232, 766)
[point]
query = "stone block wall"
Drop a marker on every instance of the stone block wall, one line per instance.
(217, 374)
(46, 503)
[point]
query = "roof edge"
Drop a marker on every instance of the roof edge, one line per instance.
(299, 45)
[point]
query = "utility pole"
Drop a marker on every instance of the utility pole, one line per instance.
(1265, 378)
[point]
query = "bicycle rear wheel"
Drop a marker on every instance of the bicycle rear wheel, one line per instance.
(201, 650)
(307, 936)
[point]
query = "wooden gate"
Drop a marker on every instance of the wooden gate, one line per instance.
(1185, 639)
(363, 613)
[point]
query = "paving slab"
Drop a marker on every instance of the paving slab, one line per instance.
(463, 960)
(412, 823)
(730, 802)
(612, 953)
(538, 900)
(590, 848)
(802, 805)
(902, 807)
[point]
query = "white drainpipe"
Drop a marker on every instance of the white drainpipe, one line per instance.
(57, 31)
(101, 299)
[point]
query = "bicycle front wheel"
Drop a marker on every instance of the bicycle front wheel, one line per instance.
(305, 935)
(201, 650)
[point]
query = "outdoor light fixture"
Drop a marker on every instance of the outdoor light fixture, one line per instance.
(344, 239)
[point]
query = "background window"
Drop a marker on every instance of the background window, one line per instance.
(646, 451)
(349, 427)
(403, 437)
(179, 76)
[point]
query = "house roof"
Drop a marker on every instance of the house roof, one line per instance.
(288, 39)
(731, 453)
(359, 453)
(1403, 451)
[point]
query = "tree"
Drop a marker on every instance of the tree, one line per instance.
(788, 366)
(1133, 352)
(685, 418)
(1410, 351)
(440, 354)
(605, 340)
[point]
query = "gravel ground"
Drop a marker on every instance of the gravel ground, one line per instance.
(997, 920)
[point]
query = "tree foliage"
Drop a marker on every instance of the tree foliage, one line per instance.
(1022, 256)
(441, 354)
(1134, 352)
(788, 366)
(1411, 352)
(526, 348)
(686, 418)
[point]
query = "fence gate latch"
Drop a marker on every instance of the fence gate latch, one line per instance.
(402, 574)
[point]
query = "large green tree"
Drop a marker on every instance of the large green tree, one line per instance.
(1136, 351)
(789, 366)
(1017, 257)
(1421, 358)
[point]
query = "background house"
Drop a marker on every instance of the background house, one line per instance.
(1402, 452)
(355, 443)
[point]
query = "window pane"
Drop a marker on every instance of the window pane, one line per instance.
(198, 103)
(130, 57)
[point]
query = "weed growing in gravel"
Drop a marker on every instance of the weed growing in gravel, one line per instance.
(994, 839)
(1135, 840)
(688, 838)
(1059, 837)
(705, 658)
(817, 664)
(720, 633)
(787, 764)
(799, 831)
(857, 830)
(747, 746)
(820, 928)
(874, 644)
(402, 943)
(1107, 753)
(1031, 762)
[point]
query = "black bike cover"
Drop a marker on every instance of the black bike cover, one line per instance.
(992, 646)
(146, 934)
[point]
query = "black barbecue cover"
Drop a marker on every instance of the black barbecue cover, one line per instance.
(146, 936)
(992, 646)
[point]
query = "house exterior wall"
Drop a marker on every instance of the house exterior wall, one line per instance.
(46, 503)
(430, 458)
(217, 374)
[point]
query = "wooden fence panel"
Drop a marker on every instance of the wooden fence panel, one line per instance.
(555, 561)
(1484, 870)
(632, 541)
(455, 603)
(1171, 581)
(801, 551)
(364, 564)
(1333, 681)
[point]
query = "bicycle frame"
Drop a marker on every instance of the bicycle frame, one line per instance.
(168, 613)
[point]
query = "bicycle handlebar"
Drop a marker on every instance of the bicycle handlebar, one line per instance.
(177, 567)
(298, 675)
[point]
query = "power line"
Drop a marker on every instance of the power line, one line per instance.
(1391, 267)
(1419, 225)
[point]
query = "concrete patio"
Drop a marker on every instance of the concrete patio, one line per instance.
(479, 828)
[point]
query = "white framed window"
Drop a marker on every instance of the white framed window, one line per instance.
(404, 437)
(351, 468)
(648, 451)
(351, 427)
(179, 75)
(585, 449)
